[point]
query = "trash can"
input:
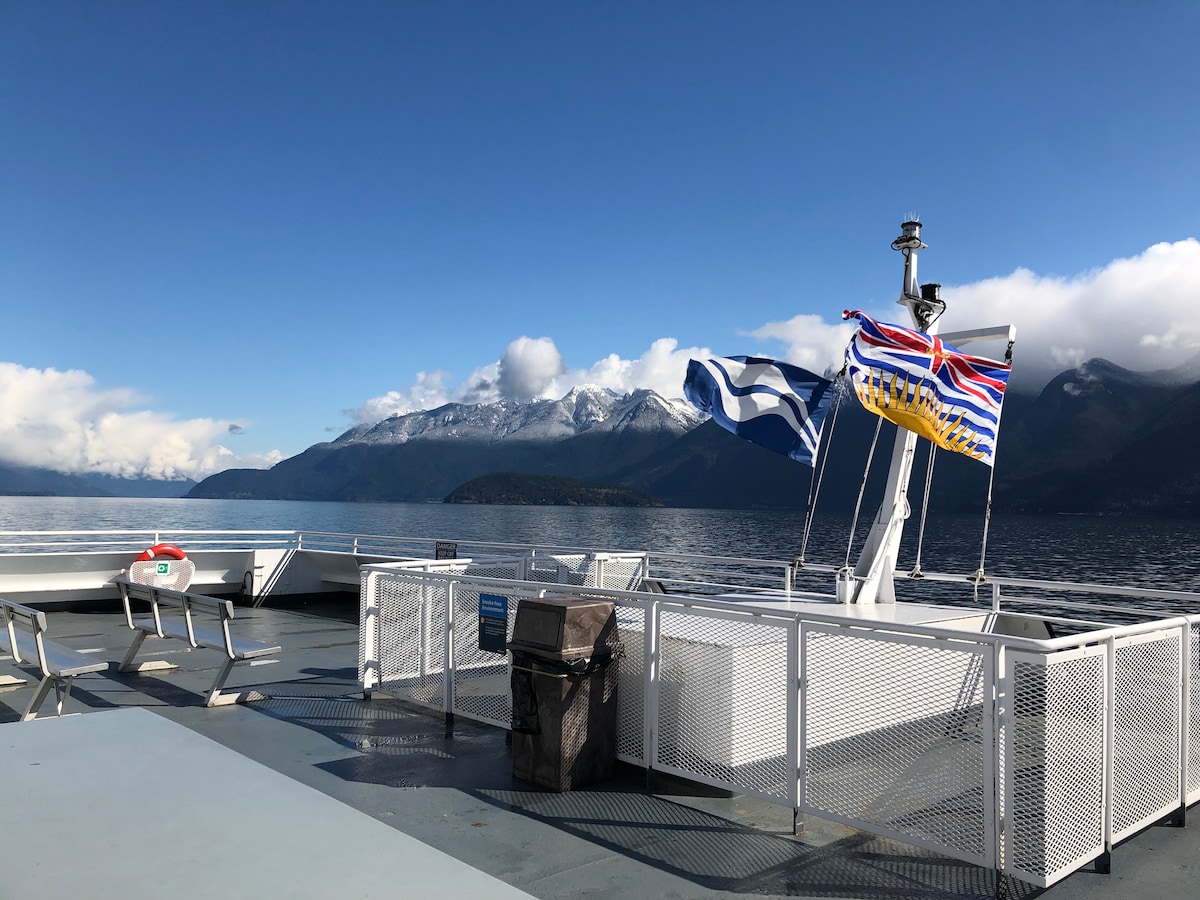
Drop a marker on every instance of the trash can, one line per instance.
(564, 686)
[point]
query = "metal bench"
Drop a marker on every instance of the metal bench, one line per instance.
(27, 642)
(173, 615)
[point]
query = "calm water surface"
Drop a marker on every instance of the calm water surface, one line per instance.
(1148, 552)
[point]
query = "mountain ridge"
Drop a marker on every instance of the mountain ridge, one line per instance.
(1096, 439)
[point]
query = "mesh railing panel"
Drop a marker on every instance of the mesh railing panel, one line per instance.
(493, 569)
(411, 629)
(1054, 763)
(563, 568)
(482, 689)
(1193, 769)
(722, 701)
(1146, 750)
(622, 573)
(631, 686)
(896, 737)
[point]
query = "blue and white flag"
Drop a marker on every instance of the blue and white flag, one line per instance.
(772, 404)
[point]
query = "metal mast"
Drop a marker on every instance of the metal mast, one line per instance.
(876, 566)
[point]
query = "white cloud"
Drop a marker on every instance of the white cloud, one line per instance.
(661, 369)
(429, 392)
(1140, 313)
(62, 421)
(534, 369)
(809, 341)
(529, 366)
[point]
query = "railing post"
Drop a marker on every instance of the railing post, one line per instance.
(650, 658)
(1185, 647)
(994, 701)
(1104, 862)
(448, 658)
(370, 619)
(795, 717)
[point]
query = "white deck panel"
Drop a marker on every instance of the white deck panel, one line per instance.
(127, 804)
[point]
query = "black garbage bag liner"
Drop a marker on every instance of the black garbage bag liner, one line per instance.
(525, 718)
(524, 703)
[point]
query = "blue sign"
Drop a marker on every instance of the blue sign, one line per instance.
(493, 606)
(493, 623)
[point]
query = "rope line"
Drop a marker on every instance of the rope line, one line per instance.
(814, 486)
(916, 571)
(862, 489)
(978, 577)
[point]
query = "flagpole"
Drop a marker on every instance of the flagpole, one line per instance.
(874, 572)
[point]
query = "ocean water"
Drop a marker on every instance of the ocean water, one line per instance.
(1156, 553)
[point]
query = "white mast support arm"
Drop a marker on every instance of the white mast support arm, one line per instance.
(875, 571)
(995, 333)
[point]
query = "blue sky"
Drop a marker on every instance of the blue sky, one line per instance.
(232, 230)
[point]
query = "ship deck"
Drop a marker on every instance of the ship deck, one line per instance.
(451, 789)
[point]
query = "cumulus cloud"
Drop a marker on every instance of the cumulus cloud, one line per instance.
(528, 367)
(809, 341)
(1139, 313)
(63, 421)
(661, 369)
(533, 369)
(429, 392)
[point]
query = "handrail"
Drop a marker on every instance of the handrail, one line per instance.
(677, 569)
(1103, 631)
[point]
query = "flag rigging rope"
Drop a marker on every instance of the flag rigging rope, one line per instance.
(977, 577)
(814, 485)
(861, 490)
(916, 570)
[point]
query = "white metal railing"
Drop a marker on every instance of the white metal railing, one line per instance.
(135, 540)
(1033, 755)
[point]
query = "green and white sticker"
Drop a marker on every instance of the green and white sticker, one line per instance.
(164, 568)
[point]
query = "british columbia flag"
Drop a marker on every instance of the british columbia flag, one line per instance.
(927, 386)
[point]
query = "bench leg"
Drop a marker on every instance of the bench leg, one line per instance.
(62, 690)
(216, 698)
(154, 665)
(214, 693)
(138, 637)
(39, 696)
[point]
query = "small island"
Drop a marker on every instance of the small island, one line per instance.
(517, 489)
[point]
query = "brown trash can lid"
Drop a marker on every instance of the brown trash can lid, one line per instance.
(564, 627)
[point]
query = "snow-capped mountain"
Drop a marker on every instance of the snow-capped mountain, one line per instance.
(590, 434)
(585, 408)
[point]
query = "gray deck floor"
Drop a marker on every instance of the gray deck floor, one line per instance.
(454, 790)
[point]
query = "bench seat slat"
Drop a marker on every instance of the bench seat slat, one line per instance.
(62, 662)
(243, 648)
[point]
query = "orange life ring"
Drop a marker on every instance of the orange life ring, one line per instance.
(161, 550)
